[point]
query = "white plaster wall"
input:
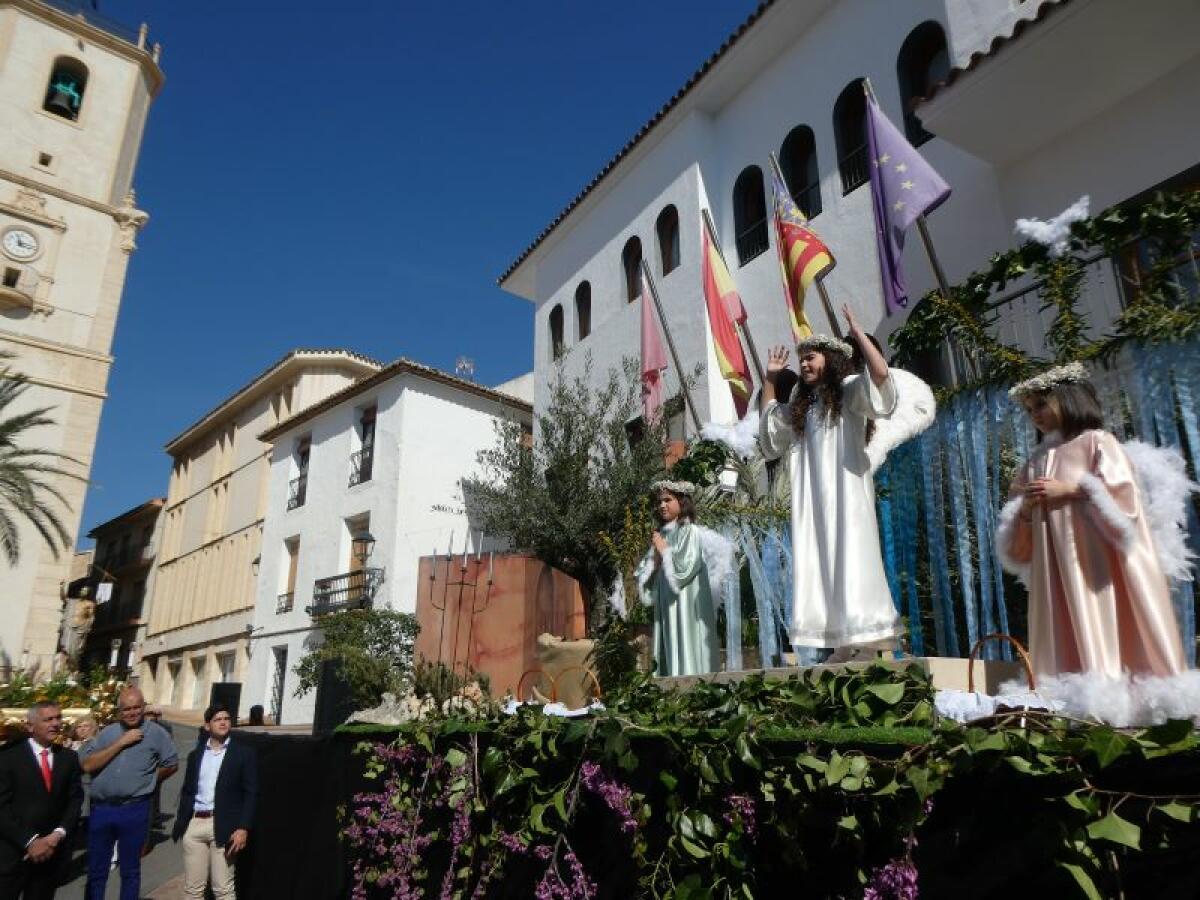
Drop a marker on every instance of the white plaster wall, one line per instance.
(693, 160)
(426, 440)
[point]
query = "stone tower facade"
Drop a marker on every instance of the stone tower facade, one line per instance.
(74, 95)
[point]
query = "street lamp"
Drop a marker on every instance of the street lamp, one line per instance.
(363, 542)
(255, 564)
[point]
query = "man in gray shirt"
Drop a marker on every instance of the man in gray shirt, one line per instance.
(126, 760)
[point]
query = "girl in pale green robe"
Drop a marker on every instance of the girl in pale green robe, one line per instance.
(674, 579)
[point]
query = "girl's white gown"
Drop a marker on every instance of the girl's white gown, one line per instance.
(841, 594)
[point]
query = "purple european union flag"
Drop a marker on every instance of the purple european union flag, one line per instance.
(903, 186)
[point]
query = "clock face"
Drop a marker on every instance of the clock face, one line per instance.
(20, 244)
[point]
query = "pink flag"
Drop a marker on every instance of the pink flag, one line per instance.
(654, 360)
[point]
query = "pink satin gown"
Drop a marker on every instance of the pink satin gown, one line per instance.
(1098, 599)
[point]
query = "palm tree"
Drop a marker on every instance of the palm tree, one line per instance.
(25, 492)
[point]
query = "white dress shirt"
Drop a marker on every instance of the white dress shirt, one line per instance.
(210, 768)
(37, 758)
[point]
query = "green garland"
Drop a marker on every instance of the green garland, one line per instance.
(830, 782)
(1156, 313)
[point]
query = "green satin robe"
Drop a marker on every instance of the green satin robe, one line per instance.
(685, 617)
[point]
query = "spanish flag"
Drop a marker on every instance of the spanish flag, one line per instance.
(724, 310)
(803, 259)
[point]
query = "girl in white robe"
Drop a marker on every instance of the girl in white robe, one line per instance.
(841, 597)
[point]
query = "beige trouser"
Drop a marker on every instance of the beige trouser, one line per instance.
(202, 857)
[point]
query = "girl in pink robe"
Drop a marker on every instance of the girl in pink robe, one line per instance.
(1076, 532)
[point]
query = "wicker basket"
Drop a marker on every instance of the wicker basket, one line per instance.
(1022, 654)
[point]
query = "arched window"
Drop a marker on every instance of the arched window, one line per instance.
(798, 159)
(850, 134)
(631, 263)
(64, 93)
(750, 214)
(923, 62)
(583, 309)
(667, 227)
(557, 349)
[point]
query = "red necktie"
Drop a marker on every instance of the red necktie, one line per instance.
(46, 767)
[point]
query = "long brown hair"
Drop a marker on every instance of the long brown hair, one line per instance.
(828, 391)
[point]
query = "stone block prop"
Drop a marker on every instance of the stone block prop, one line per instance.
(471, 624)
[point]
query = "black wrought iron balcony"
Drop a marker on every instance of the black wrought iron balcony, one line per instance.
(361, 464)
(297, 488)
(350, 590)
(283, 603)
(752, 242)
(855, 167)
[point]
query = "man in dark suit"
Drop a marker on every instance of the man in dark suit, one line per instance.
(216, 806)
(41, 793)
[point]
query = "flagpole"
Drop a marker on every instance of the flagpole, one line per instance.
(662, 320)
(825, 301)
(939, 274)
(743, 330)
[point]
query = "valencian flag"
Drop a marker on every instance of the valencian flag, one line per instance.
(725, 312)
(903, 187)
(803, 258)
(654, 360)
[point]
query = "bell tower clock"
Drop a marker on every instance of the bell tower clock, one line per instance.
(75, 91)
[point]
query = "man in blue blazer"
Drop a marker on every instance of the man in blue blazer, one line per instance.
(216, 806)
(40, 795)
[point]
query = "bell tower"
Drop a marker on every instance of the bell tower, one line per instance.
(75, 90)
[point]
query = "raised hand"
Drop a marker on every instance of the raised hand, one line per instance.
(851, 322)
(777, 360)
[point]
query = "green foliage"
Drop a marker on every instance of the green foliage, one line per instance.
(27, 474)
(373, 648)
(702, 464)
(577, 483)
(726, 790)
(1157, 307)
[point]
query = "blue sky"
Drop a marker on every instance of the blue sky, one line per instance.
(357, 175)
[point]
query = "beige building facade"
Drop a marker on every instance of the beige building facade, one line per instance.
(74, 96)
(204, 579)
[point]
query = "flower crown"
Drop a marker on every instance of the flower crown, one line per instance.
(1071, 373)
(675, 487)
(823, 342)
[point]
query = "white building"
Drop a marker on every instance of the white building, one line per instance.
(75, 91)
(202, 588)
(383, 456)
(1032, 104)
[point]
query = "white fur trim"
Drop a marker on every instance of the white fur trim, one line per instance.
(1006, 528)
(1128, 701)
(741, 437)
(1054, 233)
(616, 597)
(668, 570)
(720, 559)
(1166, 491)
(913, 412)
(1106, 509)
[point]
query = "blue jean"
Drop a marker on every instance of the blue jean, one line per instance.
(126, 826)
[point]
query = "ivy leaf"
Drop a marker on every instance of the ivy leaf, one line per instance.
(1113, 828)
(693, 848)
(1176, 810)
(669, 781)
(455, 758)
(535, 819)
(839, 768)
(1083, 879)
(1167, 734)
(560, 804)
(890, 694)
(849, 823)
(1107, 744)
(745, 752)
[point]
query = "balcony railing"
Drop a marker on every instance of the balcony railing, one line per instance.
(350, 590)
(283, 603)
(297, 488)
(361, 464)
(855, 169)
(752, 242)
